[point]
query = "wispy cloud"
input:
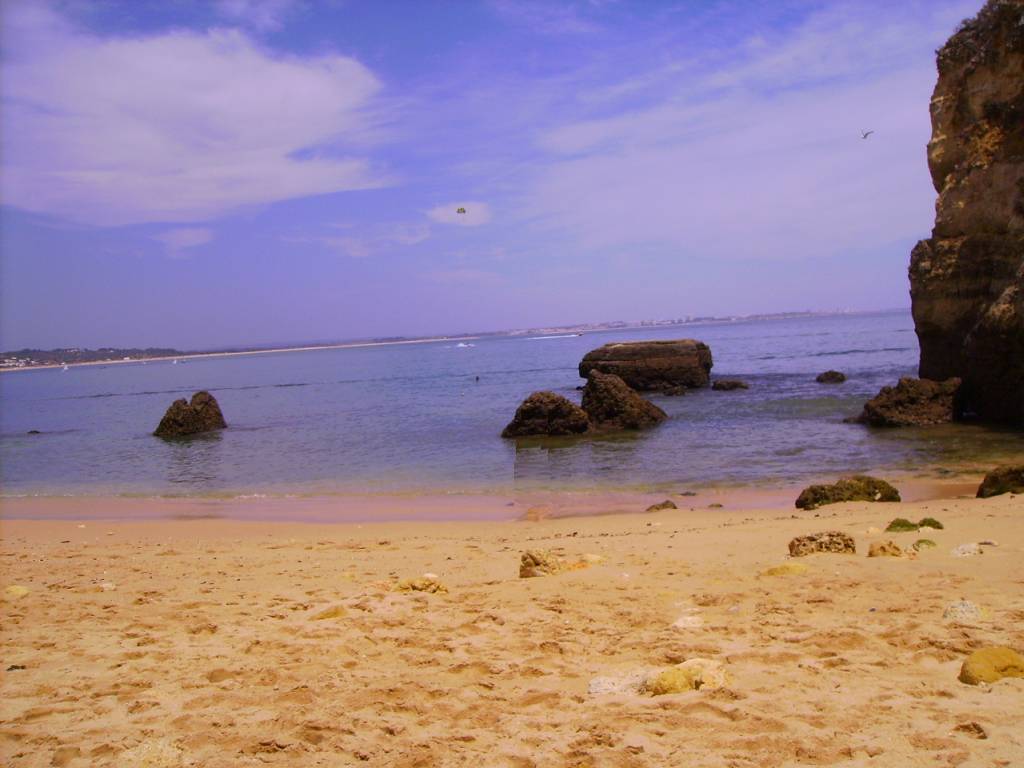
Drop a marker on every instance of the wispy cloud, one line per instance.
(182, 238)
(360, 246)
(463, 213)
(180, 126)
(262, 15)
(548, 17)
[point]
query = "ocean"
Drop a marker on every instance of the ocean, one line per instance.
(415, 418)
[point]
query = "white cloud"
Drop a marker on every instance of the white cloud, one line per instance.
(180, 126)
(182, 238)
(476, 213)
(370, 244)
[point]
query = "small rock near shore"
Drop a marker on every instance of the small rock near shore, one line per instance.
(727, 385)
(831, 377)
(912, 402)
(184, 418)
(824, 541)
(547, 414)
(855, 488)
(612, 405)
(1006, 479)
(661, 505)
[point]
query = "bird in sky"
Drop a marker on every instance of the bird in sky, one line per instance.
(460, 210)
(865, 134)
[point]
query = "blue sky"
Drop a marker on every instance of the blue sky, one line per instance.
(201, 173)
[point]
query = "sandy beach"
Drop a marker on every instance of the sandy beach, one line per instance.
(212, 642)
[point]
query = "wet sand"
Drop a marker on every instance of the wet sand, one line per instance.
(223, 642)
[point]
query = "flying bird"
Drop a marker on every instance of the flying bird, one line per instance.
(865, 134)
(460, 210)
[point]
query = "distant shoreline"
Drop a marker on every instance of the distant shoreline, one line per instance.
(202, 355)
(580, 329)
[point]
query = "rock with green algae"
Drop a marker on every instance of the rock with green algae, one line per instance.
(691, 675)
(930, 522)
(901, 525)
(924, 544)
(1006, 479)
(854, 488)
(988, 665)
(661, 505)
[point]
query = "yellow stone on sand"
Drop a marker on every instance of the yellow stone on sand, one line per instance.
(786, 569)
(15, 591)
(691, 675)
(334, 612)
(987, 665)
(423, 584)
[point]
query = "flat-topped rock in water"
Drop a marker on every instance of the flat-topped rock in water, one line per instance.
(911, 403)
(823, 541)
(186, 418)
(1007, 479)
(967, 279)
(653, 366)
(855, 488)
(831, 377)
(547, 414)
(612, 405)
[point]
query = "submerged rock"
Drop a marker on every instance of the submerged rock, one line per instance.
(854, 488)
(727, 385)
(691, 675)
(967, 279)
(831, 377)
(612, 405)
(988, 665)
(912, 402)
(547, 414)
(824, 541)
(185, 418)
(652, 365)
(1007, 479)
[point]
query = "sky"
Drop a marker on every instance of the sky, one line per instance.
(209, 173)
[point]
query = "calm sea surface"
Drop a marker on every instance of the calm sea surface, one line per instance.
(414, 417)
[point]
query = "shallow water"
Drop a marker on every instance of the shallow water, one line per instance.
(414, 417)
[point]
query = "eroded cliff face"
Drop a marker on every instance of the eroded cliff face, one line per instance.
(967, 280)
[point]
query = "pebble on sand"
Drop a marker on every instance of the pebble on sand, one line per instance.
(786, 569)
(885, 549)
(691, 675)
(987, 665)
(334, 612)
(962, 612)
(422, 584)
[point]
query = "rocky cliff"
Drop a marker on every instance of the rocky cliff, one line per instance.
(967, 280)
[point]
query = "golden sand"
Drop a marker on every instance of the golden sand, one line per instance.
(229, 643)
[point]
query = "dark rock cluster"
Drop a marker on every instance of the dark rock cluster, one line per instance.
(185, 418)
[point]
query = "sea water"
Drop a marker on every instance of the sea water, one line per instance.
(428, 417)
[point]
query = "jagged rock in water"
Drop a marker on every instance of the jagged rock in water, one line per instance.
(545, 413)
(831, 377)
(824, 541)
(653, 366)
(186, 418)
(855, 488)
(967, 280)
(911, 403)
(1008, 479)
(612, 405)
(727, 385)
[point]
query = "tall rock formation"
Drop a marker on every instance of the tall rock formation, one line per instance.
(967, 280)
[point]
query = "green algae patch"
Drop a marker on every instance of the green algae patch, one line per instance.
(930, 522)
(901, 525)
